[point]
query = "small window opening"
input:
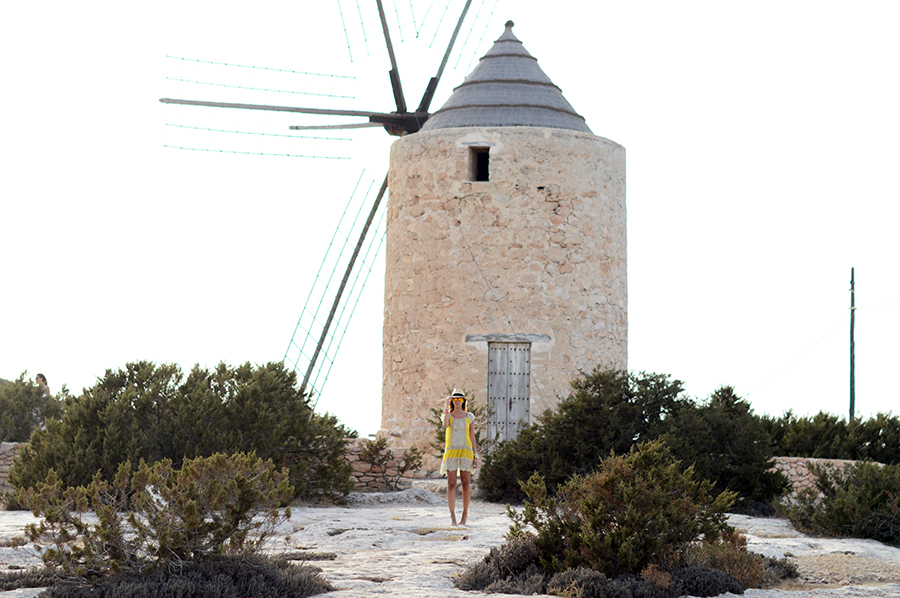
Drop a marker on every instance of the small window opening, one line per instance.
(481, 159)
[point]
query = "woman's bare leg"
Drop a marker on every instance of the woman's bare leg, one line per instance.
(466, 478)
(451, 495)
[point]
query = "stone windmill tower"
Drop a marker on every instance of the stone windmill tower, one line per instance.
(505, 251)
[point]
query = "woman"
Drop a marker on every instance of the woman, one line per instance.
(460, 452)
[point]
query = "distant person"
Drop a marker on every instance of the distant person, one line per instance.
(460, 452)
(45, 396)
(42, 382)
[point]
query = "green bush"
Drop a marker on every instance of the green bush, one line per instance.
(860, 500)
(729, 445)
(640, 526)
(157, 518)
(714, 563)
(24, 407)
(632, 512)
(828, 436)
(608, 411)
(151, 412)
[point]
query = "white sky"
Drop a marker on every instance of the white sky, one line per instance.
(762, 158)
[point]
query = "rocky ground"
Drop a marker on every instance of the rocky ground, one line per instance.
(401, 544)
(823, 562)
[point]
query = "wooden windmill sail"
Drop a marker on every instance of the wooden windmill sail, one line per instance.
(398, 122)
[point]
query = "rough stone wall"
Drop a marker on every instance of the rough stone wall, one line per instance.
(371, 478)
(365, 476)
(796, 469)
(540, 248)
(8, 452)
(368, 478)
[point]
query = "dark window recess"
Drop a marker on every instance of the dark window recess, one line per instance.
(481, 160)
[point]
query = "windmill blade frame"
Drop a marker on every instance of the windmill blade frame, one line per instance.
(433, 83)
(394, 73)
(396, 123)
(347, 272)
(331, 127)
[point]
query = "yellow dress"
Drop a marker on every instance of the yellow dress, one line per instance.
(458, 451)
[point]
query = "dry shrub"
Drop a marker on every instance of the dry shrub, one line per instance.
(27, 578)
(777, 570)
(13, 542)
(530, 581)
(577, 583)
(702, 582)
(587, 583)
(729, 554)
(509, 561)
(655, 576)
(157, 518)
(220, 578)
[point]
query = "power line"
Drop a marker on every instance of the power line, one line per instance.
(262, 68)
(879, 305)
(344, 24)
(813, 346)
(200, 149)
(305, 93)
(468, 35)
(258, 133)
(483, 33)
(497, 300)
(438, 27)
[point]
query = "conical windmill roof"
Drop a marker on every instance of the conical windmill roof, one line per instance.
(507, 89)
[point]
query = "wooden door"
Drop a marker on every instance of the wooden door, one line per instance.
(509, 389)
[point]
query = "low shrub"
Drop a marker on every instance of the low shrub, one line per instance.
(234, 577)
(639, 527)
(859, 500)
(633, 512)
(528, 582)
(701, 582)
(157, 518)
(377, 454)
(578, 583)
(510, 560)
(778, 570)
(727, 554)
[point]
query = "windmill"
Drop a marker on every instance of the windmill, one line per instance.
(398, 122)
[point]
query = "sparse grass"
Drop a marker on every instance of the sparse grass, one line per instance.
(307, 555)
(13, 542)
(27, 578)
(338, 531)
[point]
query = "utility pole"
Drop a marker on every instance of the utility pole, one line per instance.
(852, 346)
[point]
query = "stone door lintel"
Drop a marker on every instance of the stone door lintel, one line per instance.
(514, 337)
